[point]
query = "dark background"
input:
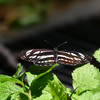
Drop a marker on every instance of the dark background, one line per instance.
(75, 22)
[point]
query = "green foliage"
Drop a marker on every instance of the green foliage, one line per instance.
(30, 16)
(19, 69)
(5, 1)
(7, 89)
(86, 81)
(85, 78)
(97, 55)
(42, 84)
(57, 89)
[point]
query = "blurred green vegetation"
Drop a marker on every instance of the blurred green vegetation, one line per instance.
(15, 14)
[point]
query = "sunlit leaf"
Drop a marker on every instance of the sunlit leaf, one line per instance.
(97, 55)
(85, 78)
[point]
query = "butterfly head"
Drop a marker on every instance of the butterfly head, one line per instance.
(55, 49)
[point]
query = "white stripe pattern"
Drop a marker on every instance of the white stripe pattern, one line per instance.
(28, 52)
(65, 56)
(45, 56)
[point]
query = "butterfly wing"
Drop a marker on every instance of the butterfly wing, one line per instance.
(72, 58)
(40, 57)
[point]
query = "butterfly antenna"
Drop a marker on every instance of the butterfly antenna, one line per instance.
(49, 43)
(62, 44)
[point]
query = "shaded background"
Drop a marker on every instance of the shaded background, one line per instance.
(26, 24)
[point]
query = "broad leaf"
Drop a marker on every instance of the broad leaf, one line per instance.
(97, 55)
(8, 88)
(89, 95)
(57, 89)
(85, 78)
(39, 69)
(48, 87)
(38, 85)
(35, 72)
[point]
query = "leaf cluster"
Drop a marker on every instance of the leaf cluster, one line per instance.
(42, 84)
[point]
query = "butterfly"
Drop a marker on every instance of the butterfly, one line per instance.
(47, 57)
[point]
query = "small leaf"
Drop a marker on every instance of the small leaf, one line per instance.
(97, 55)
(14, 96)
(19, 69)
(24, 96)
(30, 78)
(5, 78)
(85, 78)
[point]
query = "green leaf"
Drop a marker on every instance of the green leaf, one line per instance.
(57, 89)
(97, 55)
(40, 69)
(19, 96)
(41, 74)
(30, 78)
(86, 96)
(14, 96)
(19, 69)
(96, 96)
(24, 96)
(39, 84)
(46, 95)
(48, 86)
(42, 84)
(90, 95)
(5, 78)
(8, 88)
(18, 73)
(37, 69)
(85, 78)
(33, 71)
(74, 97)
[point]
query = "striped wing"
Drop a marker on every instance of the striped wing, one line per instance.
(40, 57)
(72, 58)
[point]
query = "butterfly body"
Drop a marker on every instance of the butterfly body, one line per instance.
(55, 54)
(47, 57)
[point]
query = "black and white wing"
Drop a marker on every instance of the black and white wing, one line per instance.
(39, 57)
(72, 58)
